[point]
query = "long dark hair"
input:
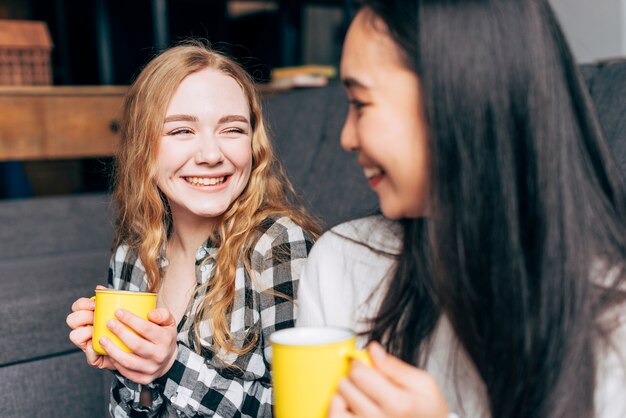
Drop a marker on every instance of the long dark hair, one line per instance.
(528, 208)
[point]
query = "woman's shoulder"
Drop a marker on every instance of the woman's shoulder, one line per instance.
(365, 247)
(275, 231)
(372, 234)
(126, 270)
(126, 256)
(122, 252)
(125, 261)
(347, 272)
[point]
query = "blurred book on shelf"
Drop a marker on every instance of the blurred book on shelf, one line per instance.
(301, 76)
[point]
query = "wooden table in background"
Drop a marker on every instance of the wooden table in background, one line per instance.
(59, 122)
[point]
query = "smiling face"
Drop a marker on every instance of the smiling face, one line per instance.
(385, 123)
(205, 151)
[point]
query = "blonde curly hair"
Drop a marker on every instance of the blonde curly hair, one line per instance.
(144, 216)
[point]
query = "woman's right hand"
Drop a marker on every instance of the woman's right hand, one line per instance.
(391, 388)
(81, 323)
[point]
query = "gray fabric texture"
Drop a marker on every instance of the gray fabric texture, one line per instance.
(37, 293)
(52, 251)
(55, 225)
(57, 387)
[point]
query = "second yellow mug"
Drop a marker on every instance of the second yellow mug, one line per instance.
(110, 300)
(307, 364)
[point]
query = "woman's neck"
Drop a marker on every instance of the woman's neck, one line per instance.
(189, 233)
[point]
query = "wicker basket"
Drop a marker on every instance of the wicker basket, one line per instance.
(25, 53)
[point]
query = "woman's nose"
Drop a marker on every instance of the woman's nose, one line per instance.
(349, 140)
(209, 151)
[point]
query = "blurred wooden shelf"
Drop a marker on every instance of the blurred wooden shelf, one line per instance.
(65, 122)
(59, 122)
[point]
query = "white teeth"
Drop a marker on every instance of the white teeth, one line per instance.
(372, 172)
(205, 181)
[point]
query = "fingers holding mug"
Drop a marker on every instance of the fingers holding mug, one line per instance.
(110, 301)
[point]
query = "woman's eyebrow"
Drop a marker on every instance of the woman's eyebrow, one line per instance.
(233, 118)
(181, 118)
(351, 82)
(191, 118)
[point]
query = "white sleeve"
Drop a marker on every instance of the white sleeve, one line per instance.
(310, 303)
(344, 278)
(610, 397)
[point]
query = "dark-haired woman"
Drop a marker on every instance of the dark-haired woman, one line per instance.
(495, 283)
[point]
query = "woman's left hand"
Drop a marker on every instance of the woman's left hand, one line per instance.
(389, 389)
(153, 345)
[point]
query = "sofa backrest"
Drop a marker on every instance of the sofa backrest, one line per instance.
(52, 251)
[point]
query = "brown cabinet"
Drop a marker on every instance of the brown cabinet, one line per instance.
(39, 123)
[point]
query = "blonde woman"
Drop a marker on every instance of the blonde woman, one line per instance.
(206, 220)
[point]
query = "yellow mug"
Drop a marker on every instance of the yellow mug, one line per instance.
(107, 302)
(307, 364)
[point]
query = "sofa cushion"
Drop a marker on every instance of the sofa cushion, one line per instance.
(55, 225)
(55, 387)
(37, 294)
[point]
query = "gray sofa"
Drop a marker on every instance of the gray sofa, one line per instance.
(53, 250)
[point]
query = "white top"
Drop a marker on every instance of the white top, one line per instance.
(343, 284)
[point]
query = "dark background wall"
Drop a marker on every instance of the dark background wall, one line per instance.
(125, 32)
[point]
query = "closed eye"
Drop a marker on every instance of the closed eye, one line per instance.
(180, 131)
(236, 131)
(357, 104)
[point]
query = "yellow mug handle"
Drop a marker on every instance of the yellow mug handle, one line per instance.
(361, 355)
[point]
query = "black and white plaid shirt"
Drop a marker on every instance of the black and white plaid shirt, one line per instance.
(200, 385)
